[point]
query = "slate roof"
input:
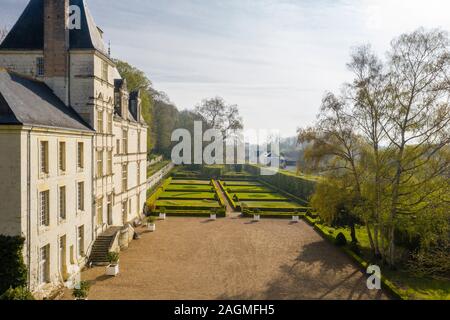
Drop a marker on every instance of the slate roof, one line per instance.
(24, 101)
(28, 32)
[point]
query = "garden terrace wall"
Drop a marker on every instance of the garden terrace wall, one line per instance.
(300, 187)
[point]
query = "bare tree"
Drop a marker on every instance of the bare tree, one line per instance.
(220, 115)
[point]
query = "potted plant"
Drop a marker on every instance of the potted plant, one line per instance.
(162, 213)
(113, 268)
(257, 215)
(81, 291)
(213, 215)
(151, 226)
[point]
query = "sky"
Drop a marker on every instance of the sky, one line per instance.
(274, 59)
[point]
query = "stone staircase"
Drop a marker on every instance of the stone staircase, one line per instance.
(100, 249)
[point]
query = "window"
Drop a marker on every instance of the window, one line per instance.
(62, 203)
(109, 209)
(100, 121)
(124, 141)
(110, 123)
(139, 143)
(109, 163)
(62, 255)
(124, 177)
(138, 173)
(124, 212)
(40, 66)
(44, 208)
(81, 241)
(80, 196)
(62, 156)
(129, 206)
(44, 265)
(100, 211)
(118, 147)
(80, 155)
(99, 164)
(44, 157)
(105, 70)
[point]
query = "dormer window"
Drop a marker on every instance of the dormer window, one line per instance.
(104, 70)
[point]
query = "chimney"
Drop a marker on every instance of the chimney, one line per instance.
(56, 47)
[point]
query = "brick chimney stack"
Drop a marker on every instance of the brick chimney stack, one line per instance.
(56, 47)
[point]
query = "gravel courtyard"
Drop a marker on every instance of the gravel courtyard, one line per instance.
(231, 258)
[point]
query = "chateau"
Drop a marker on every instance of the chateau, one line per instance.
(74, 143)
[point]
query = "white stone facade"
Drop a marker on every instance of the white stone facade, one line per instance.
(114, 170)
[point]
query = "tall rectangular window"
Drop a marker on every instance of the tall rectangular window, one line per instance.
(109, 163)
(44, 208)
(124, 177)
(124, 141)
(100, 121)
(44, 157)
(80, 155)
(139, 143)
(139, 173)
(109, 209)
(80, 196)
(44, 264)
(62, 203)
(117, 146)
(40, 66)
(105, 70)
(81, 241)
(110, 122)
(100, 211)
(62, 156)
(99, 164)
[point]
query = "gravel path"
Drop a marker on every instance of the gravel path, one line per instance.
(231, 258)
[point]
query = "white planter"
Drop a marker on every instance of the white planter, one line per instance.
(151, 227)
(213, 217)
(162, 216)
(256, 217)
(295, 218)
(112, 270)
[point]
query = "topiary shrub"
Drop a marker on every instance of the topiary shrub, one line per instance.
(20, 293)
(13, 271)
(340, 240)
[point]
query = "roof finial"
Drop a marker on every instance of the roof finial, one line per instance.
(109, 48)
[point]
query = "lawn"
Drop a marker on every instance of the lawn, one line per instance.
(260, 197)
(241, 183)
(247, 189)
(187, 204)
(187, 195)
(267, 205)
(411, 286)
(191, 182)
(189, 187)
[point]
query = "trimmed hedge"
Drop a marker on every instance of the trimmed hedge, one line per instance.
(13, 271)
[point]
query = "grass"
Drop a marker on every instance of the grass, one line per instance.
(260, 197)
(271, 205)
(241, 183)
(156, 167)
(248, 189)
(408, 285)
(189, 187)
(191, 182)
(187, 195)
(171, 203)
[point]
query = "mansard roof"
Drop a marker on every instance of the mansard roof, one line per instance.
(24, 101)
(28, 32)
